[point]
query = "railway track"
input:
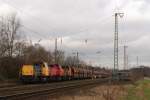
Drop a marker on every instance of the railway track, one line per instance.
(16, 85)
(9, 84)
(39, 85)
(26, 91)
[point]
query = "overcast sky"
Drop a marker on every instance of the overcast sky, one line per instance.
(92, 20)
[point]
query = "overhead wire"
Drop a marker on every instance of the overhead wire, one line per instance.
(102, 21)
(33, 31)
(22, 11)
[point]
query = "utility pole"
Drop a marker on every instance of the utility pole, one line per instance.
(77, 58)
(98, 52)
(55, 50)
(137, 61)
(125, 58)
(116, 42)
(127, 62)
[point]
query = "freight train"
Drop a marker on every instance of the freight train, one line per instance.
(42, 72)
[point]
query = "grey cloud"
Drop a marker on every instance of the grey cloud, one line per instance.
(77, 20)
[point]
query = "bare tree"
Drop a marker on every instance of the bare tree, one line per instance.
(71, 60)
(60, 57)
(19, 48)
(33, 54)
(3, 39)
(9, 26)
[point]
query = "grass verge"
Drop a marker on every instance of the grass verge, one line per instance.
(139, 91)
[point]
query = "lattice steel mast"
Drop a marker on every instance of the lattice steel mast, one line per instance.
(116, 67)
(125, 57)
(56, 51)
